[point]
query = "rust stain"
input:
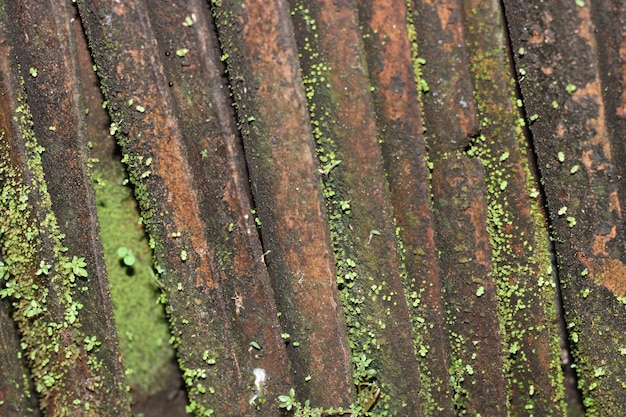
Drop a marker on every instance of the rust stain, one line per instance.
(276, 55)
(588, 160)
(537, 36)
(614, 204)
(396, 45)
(609, 273)
(612, 275)
(242, 261)
(586, 27)
(174, 171)
(600, 241)
(449, 13)
(595, 126)
(396, 100)
(450, 17)
(478, 214)
(170, 160)
(449, 108)
(286, 187)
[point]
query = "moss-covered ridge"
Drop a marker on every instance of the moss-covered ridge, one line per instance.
(42, 279)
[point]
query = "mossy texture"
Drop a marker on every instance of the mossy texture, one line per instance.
(141, 323)
(42, 279)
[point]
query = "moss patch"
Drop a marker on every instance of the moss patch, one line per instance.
(141, 322)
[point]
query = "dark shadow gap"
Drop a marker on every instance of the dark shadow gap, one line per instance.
(573, 396)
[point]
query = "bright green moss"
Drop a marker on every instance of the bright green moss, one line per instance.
(37, 274)
(511, 269)
(362, 340)
(141, 322)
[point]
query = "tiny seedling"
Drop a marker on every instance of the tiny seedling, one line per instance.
(126, 256)
(44, 268)
(91, 343)
(373, 233)
(571, 221)
(76, 268)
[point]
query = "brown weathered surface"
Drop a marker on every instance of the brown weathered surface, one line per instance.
(572, 58)
(516, 223)
(58, 309)
(358, 198)
(186, 165)
(15, 391)
(448, 107)
(399, 124)
(269, 97)
(470, 293)
(361, 219)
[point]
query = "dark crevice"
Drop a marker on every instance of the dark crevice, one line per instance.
(573, 395)
(232, 82)
(472, 142)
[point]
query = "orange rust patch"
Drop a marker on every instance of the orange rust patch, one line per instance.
(595, 126)
(586, 26)
(536, 39)
(588, 161)
(176, 176)
(397, 46)
(478, 213)
(600, 241)
(611, 274)
(621, 110)
(445, 11)
(614, 204)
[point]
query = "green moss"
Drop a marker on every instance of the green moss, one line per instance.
(413, 286)
(372, 400)
(141, 322)
(515, 257)
(37, 274)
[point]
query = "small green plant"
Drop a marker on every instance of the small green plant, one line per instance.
(289, 403)
(91, 343)
(76, 268)
(126, 255)
(44, 268)
(368, 393)
(457, 377)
